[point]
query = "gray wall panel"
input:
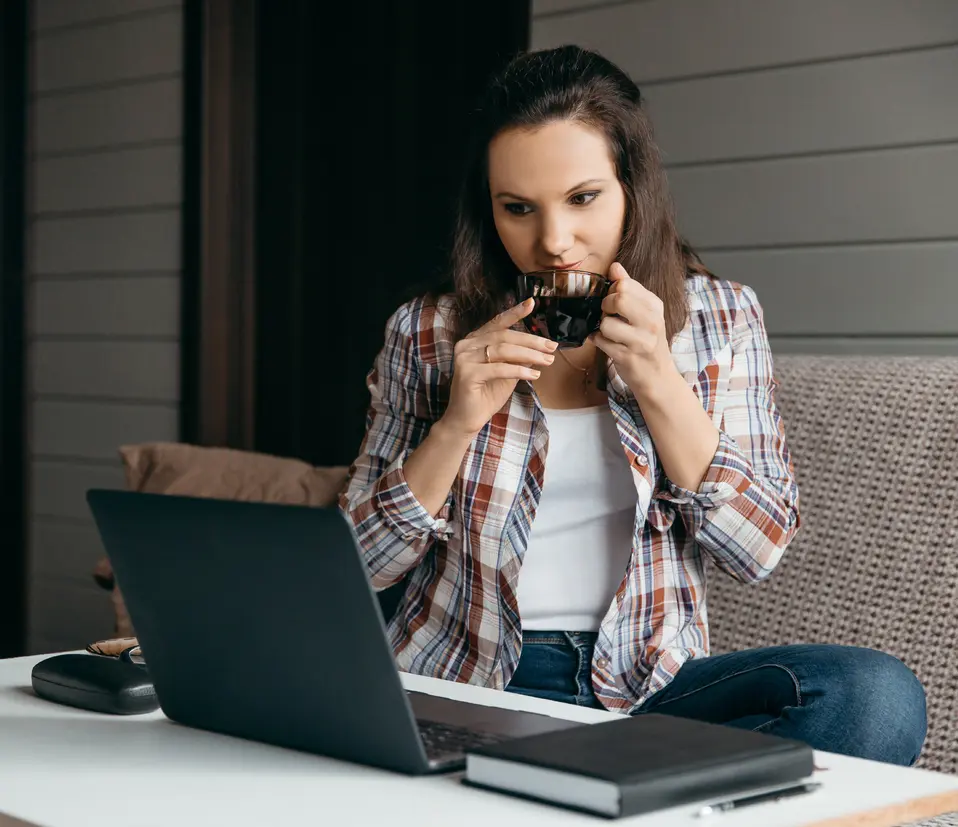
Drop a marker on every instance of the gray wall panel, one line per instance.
(119, 242)
(893, 289)
(812, 149)
(149, 111)
(667, 39)
(115, 52)
(145, 306)
(867, 345)
(104, 279)
(144, 371)
(871, 196)
(856, 104)
(109, 180)
(69, 430)
(59, 488)
(48, 14)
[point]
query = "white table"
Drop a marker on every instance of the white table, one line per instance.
(63, 767)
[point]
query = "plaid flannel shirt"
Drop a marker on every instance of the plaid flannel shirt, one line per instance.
(459, 618)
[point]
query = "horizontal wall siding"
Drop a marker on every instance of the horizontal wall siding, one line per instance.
(109, 53)
(119, 242)
(888, 195)
(863, 103)
(867, 345)
(916, 280)
(145, 113)
(104, 286)
(812, 151)
(122, 305)
(129, 370)
(549, 8)
(60, 486)
(52, 14)
(658, 40)
(98, 428)
(108, 180)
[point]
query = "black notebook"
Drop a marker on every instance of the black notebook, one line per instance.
(638, 764)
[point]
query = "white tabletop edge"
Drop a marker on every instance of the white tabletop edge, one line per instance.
(58, 763)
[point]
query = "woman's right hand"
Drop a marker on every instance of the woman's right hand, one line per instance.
(489, 363)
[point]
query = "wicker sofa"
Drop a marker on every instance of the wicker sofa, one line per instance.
(875, 445)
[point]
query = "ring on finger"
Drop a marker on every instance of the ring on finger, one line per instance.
(487, 354)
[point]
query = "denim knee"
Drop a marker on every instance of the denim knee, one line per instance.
(882, 703)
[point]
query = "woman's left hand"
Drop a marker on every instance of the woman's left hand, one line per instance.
(632, 332)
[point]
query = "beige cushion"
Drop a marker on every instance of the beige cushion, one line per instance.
(222, 473)
(226, 473)
(875, 446)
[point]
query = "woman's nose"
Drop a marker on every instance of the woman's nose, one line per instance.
(556, 236)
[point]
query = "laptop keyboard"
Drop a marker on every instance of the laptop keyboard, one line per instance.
(445, 739)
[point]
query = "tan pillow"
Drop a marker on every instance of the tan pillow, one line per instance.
(226, 473)
(222, 473)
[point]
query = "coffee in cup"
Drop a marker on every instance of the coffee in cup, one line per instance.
(568, 304)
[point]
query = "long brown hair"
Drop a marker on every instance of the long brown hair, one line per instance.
(569, 83)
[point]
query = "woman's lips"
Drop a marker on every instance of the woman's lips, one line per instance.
(573, 266)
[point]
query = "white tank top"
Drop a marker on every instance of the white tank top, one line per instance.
(581, 538)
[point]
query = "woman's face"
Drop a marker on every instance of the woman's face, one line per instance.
(556, 198)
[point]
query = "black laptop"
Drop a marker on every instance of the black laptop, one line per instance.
(258, 620)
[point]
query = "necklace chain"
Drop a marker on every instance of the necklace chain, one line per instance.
(575, 367)
(586, 371)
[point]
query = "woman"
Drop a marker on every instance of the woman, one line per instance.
(551, 511)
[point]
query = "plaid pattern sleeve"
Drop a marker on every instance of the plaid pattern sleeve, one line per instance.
(745, 512)
(393, 528)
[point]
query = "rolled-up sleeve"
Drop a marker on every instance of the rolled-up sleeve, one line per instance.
(392, 527)
(745, 512)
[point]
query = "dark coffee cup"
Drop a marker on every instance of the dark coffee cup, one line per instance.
(568, 304)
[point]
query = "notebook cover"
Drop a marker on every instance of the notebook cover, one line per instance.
(660, 761)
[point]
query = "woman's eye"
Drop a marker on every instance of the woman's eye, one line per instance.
(518, 209)
(583, 198)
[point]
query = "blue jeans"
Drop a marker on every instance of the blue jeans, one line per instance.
(844, 699)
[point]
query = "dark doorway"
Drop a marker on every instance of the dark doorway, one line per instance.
(362, 118)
